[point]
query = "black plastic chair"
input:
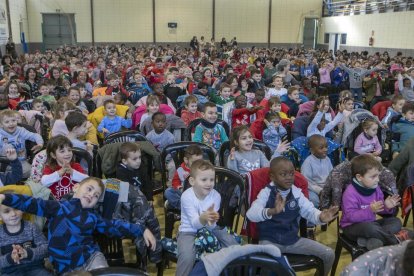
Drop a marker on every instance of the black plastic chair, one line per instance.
(256, 264)
(4, 163)
(191, 127)
(117, 271)
(407, 216)
(81, 154)
(257, 144)
(343, 242)
(228, 213)
(176, 151)
(124, 136)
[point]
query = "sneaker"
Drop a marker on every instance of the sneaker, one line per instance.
(402, 236)
(362, 242)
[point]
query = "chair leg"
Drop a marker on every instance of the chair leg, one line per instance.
(160, 268)
(169, 224)
(338, 250)
(320, 269)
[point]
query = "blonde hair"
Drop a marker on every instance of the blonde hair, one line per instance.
(8, 113)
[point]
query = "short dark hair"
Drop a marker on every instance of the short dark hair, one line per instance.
(407, 107)
(314, 139)
(273, 100)
(397, 98)
(200, 165)
(276, 161)
(361, 164)
(128, 147)
(158, 114)
(292, 89)
(192, 150)
(110, 101)
(36, 101)
(272, 115)
(74, 119)
(208, 104)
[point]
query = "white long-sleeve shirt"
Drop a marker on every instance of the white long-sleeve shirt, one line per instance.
(192, 208)
(313, 126)
(48, 179)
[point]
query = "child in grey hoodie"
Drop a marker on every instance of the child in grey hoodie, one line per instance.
(356, 76)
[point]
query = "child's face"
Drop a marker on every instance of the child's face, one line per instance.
(192, 107)
(372, 130)
(133, 161)
(153, 107)
(275, 122)
(407, 83)
(63, 155)
(81, 130)
(113, 82)
(158, 89)
(44, 90)
(210, 114)
(207, 74)
(159, 124)
(202, 183)
(257, 77)
(189, 161)
(278, 83)
(370, 179)
(110, 109)
(225, 92)
(82, 92)
(88, 193)
(170, 79)
(9, 124)
(10, 216)
(13, 91)
(38, 107)
(56, 74)
(409, 115)
(245, 141)
(138, 79)
(307, 84)
(277, 107)
(283, 175)
(320, 149)
(294, 96)
(241, 102)
(118, 99)
(74, 96)
(398, 106)
(349, 105)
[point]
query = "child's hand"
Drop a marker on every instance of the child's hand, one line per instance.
(341, 107)
(377, 206)
(149, 239)
(15, 254)
(330, 214)
(280, 203)
(62, 171)
(11, 154)
(22, 252)
(321, 106)
(37, 148)
(256, 108)
(283, 146)
(266, 122)
(392, 201)
(105, 131)
(129, 115)
(89, 147)
(232, 152)
(209, 217)
(68, 169)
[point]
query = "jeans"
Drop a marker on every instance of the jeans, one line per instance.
(314, 198)
(308, 247)
(33, 272)
(382, 229)
(174, 197)
(357, 91)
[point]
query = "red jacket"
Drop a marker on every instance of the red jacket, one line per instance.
(256, 181)
(261, 113)
(177, 182)
(241, 117)
(120, 88)
(380, 109)
(187, 117)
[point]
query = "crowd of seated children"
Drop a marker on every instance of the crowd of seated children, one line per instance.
(93, 92)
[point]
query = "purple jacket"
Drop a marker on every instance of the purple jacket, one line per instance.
(356, 207)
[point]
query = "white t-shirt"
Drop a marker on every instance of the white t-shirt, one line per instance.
(192, 208)
(273, 92)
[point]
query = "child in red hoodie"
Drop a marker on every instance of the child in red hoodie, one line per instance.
(241, 114)
(173, 193)
(190, 112)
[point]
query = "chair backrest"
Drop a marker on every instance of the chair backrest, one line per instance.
(82, 155)
(231, 186)
(359, 105)
(191, 127)
(258, 264)
(176, 151)
(124, 136)
(4, 163)
(117, 271)
(224, 151)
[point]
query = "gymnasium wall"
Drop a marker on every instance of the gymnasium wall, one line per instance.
(392, 31)
(131, 21)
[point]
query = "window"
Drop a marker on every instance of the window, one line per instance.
(343, 39)
(326, 38)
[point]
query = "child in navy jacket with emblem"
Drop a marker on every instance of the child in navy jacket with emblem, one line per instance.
(277, 211)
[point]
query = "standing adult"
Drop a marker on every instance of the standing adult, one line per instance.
(11, 48)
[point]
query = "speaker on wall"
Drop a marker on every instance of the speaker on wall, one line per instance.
(172, 25)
